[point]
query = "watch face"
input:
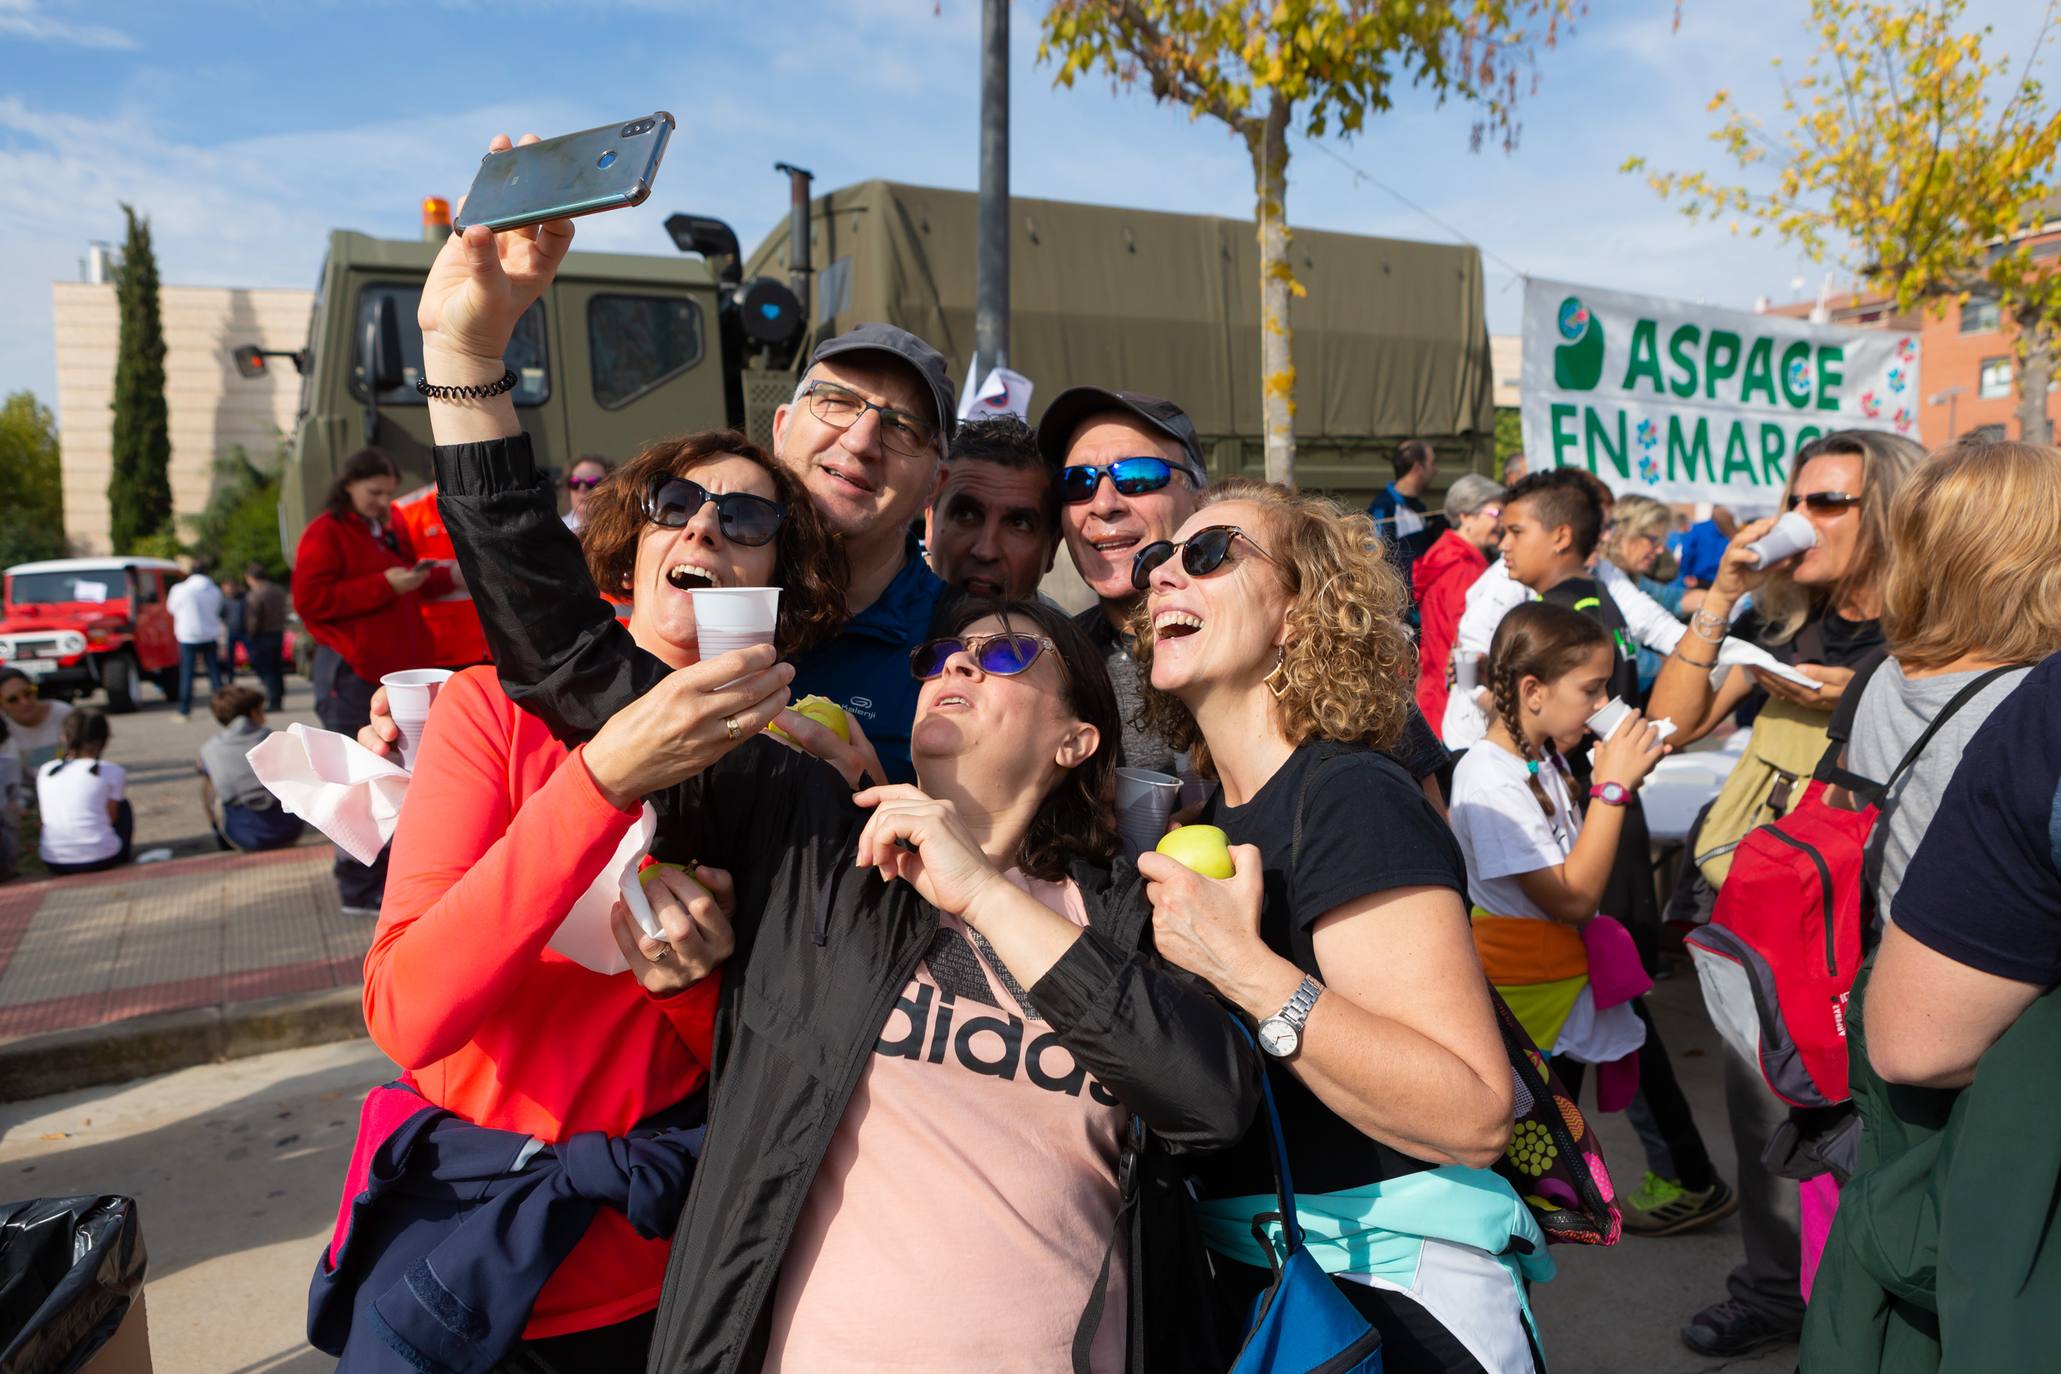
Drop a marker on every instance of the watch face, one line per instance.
(1615, 793)
(1278, 1038)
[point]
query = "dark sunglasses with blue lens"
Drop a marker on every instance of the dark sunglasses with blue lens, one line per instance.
(1003, 655)
(743, 518)
(1131, 477)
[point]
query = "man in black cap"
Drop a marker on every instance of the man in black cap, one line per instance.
(863, 435)
(1129, 469)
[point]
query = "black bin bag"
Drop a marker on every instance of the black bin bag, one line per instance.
(70, 1269)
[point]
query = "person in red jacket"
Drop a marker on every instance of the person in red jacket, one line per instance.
(1440, 578)
(358, 586)
(504, 828)
(455, 635)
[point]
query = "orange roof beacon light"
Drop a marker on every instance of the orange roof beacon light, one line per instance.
(436, 219)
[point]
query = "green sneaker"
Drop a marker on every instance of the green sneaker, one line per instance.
(1663, 1207)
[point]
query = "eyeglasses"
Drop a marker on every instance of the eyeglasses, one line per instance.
(744, 518)
(1003, 655)
(1824, 502)
(1202, 553)
(584, 483)
(911, 436)
(1131, 477)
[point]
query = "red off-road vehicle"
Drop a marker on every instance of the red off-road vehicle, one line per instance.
(76, 624)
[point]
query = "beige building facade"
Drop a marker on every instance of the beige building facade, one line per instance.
(211, 407)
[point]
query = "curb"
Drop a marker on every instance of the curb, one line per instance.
(91, 1056)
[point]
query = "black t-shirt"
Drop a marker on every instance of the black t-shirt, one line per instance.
(1984, 887)
(1366, 828)
(1831, 639)
(1587, 595)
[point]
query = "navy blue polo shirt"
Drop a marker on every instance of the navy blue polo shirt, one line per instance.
(866, 668)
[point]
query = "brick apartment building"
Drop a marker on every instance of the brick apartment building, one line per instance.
(1967, 363)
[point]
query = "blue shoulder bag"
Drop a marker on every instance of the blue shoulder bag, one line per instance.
(1302, 1324)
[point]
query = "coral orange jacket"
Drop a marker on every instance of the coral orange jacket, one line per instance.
(502, 830)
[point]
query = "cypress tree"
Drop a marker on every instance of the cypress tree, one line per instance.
(139, 489)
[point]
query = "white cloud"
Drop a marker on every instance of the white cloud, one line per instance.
(23, 19)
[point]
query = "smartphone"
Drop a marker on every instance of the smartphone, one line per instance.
(574, 174)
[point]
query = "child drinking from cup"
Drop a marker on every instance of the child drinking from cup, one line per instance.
(1537, 866)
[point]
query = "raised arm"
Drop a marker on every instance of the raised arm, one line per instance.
(561, 652)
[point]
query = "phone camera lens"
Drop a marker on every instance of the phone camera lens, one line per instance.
(631, 130)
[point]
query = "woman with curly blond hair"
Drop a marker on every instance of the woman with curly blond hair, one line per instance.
(1272, 639)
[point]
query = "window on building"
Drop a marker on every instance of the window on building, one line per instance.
(1979, 315)
(1994, 382)
(640, 342)
(525, 351)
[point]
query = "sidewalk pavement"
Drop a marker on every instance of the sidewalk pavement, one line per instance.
(142, 969)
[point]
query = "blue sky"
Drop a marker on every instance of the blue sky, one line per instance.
(246, 131)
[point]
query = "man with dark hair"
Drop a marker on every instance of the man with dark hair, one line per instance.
(264, 623)
(992, 526)
(1399, 510)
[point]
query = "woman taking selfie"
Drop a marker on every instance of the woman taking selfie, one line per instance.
(947, 1057)
(1271, 632)
(503, 832)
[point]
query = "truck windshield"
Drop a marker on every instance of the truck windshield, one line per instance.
(525, 351)
(42, 588)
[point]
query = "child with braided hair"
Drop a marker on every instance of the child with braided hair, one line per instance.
(1538, 864)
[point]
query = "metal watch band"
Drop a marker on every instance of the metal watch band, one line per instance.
(1297, 1011)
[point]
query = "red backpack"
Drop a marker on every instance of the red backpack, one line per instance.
(1778, 959)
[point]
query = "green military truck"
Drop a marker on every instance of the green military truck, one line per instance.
(1391, 340)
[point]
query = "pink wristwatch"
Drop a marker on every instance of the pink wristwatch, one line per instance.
(1611, 793)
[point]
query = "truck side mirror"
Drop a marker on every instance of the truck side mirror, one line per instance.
(711, 238)
(250, 361)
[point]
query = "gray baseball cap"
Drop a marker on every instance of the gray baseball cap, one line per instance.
(1078, 403)
(905, 347)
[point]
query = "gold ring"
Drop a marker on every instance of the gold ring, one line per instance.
(730, 724)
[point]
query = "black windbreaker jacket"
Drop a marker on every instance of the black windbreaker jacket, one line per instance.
(823, 950)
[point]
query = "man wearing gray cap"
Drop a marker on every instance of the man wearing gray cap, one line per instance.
(864, 434)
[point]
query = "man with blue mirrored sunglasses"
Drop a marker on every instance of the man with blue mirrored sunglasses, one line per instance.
(1128, 468)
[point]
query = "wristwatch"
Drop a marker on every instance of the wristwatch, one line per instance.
(1612, 793)
(1281, 1034)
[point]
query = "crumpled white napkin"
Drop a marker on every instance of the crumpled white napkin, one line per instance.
(584, 935)
(335, 784)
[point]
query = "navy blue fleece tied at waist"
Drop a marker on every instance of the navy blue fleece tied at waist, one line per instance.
(453, 1229)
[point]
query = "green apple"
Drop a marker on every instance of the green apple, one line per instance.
(650, 871)
(824, 712)
(1203, 848)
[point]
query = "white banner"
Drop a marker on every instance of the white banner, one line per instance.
(1691, 403)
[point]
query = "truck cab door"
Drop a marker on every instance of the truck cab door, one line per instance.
(643, 361)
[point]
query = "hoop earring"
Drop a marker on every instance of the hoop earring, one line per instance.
(1274, 679)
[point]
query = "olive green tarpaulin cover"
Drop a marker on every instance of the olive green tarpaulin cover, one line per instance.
(1391, 341)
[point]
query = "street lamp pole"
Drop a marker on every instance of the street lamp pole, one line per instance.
(991, 279)
(1951, 396)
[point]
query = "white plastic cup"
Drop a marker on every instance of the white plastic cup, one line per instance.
(1144, 804)
(1605, 722)
(409, 695)
(727, 618)
(1466, 670)
(1791, 535)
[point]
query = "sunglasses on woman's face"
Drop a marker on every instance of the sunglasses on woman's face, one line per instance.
(1823, 502)
(1003, 655)
(1130, 476)
(743, 518)
(582, 483)
(1202, 553)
